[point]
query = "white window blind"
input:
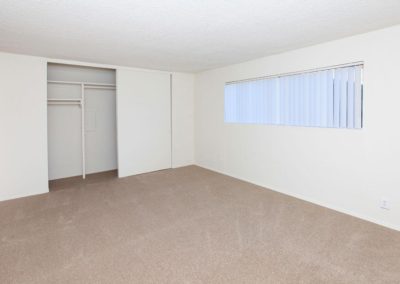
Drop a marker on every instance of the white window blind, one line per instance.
(326, 98)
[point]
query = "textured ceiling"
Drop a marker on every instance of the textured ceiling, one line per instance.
(182, 35)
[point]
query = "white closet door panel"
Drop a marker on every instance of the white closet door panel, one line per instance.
(143, 121)
(23, 133)
(100, 130)
(64, 141)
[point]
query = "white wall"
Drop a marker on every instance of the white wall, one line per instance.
(23, 129)
(182, 119)
(347, 170)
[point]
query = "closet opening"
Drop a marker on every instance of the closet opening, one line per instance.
(81, 124)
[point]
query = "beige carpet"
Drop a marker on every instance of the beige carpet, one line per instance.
(187, 225)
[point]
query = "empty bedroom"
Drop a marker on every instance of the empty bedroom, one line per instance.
(199, 141)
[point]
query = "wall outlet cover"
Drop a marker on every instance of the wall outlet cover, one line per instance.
(385, 204)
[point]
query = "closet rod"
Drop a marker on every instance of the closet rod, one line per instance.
(99, 87)
(64, 100)
(80, 83)
(64, 103)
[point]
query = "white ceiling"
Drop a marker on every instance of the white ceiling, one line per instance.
(182, 35)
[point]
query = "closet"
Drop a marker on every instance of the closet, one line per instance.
(81, 112)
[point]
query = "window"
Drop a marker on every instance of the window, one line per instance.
(326, 98)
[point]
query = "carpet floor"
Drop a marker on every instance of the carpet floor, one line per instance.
(186, 225)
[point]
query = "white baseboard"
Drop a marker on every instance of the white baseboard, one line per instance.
(14, 196)
(308, 199)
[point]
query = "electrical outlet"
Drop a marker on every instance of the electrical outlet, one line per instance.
(385, 204)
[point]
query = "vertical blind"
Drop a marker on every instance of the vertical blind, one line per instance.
(327, 98)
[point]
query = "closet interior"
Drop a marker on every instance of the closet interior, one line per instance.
(81, 121)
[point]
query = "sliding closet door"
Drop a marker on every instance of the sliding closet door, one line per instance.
(143, 121)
